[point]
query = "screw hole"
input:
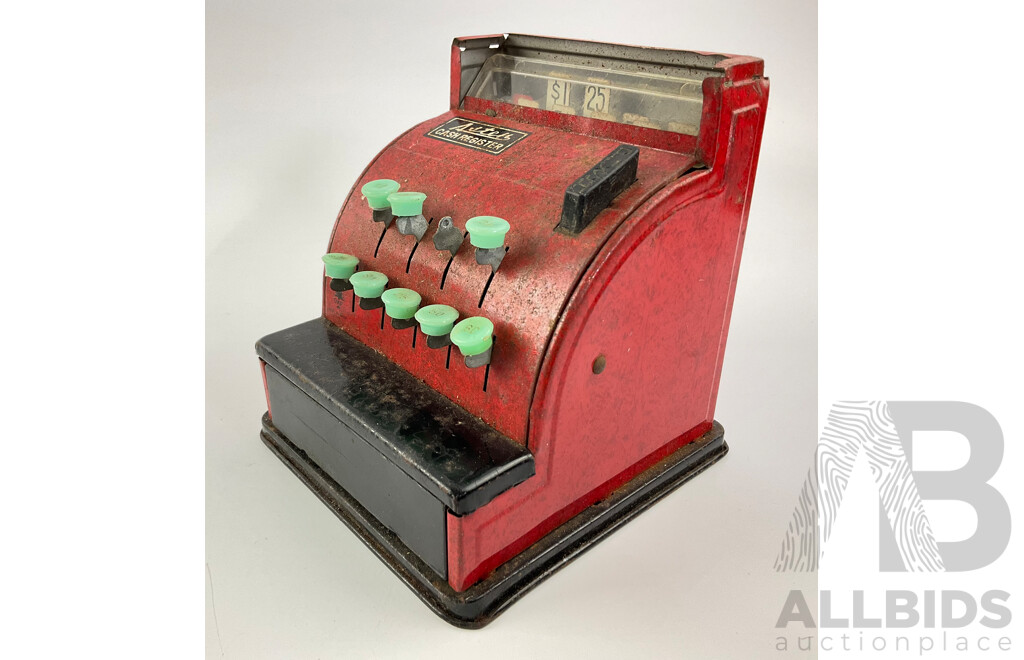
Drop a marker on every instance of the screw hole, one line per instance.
(599, 364)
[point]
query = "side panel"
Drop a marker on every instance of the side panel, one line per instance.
(634, 365)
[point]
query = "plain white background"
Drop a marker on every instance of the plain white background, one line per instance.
(300, 96)
(102, 483)
(920, 269)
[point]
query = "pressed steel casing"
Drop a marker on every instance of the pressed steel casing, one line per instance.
(655, 306)
(526, 186)
(608, 343)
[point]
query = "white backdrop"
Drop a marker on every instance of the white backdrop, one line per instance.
(920, 270)
(300, 96)
(102, 475)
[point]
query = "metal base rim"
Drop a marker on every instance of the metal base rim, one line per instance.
(484, 601)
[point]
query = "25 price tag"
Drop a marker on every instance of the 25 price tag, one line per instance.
(596, 100)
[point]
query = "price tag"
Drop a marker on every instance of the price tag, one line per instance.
(596, 100)
(558, 96)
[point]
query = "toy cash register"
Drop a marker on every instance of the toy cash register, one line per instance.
(525, 307)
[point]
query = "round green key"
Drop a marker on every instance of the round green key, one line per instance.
(437, 320)
(376, 192)
(407, 203)
(368, 283)
(487, 231)
(473, 336)
(339, 266)
(401, 304)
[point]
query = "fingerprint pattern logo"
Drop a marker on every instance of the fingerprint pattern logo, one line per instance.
(854, 427)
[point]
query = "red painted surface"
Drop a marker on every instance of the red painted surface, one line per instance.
(648, 285)
(526, 186)
(656, 304)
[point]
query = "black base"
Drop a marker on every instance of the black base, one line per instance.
(481, 603)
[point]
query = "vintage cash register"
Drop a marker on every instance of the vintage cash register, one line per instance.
(525, 307)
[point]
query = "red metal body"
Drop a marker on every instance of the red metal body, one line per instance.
(648, 287)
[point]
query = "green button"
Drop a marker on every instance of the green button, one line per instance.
(473, 336)
(487, 231)
(376, 192)
(339, 266)
(368, 283)
(407, 203)
(437, 320)
(400, 304)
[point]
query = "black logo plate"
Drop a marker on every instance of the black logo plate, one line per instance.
(477, 135)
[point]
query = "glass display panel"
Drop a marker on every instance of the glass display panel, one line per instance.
(667, 101)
